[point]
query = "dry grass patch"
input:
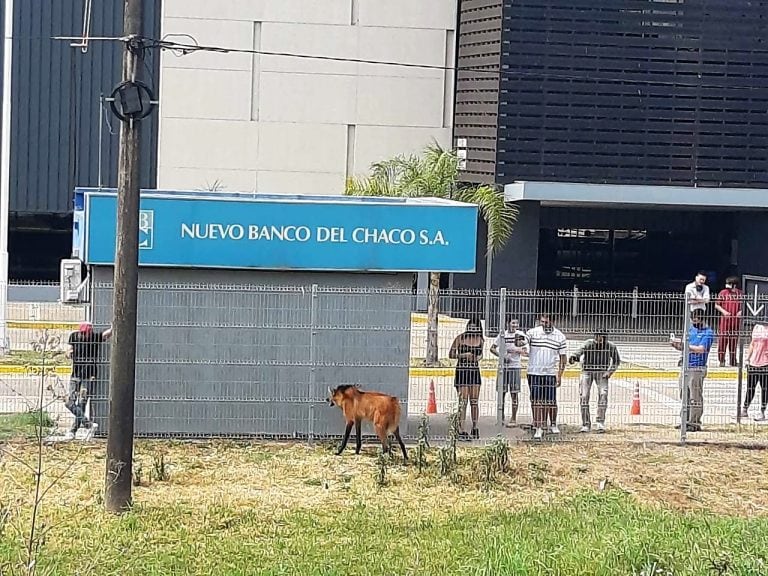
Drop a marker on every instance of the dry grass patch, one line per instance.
(275, 478)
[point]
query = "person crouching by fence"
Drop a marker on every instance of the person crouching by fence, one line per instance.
(757, 369)
(512, 366)
(84, 352)
(547, 348)
(467, 350)
(700, 340)
(599, 360)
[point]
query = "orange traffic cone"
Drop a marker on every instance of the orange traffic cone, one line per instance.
(635, 410)
(432, 402)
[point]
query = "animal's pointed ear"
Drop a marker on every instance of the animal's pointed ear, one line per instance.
(330, 392)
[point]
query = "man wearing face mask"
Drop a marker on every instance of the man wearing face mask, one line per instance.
(700, 340)
(697, 295)
(729, 305)
(698, 292)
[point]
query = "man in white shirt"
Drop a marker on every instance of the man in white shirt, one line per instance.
(697, 292)
(547, 349)
(514, 348)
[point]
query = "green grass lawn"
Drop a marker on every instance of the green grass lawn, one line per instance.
(23, 425)
(599, 534)
(32, 358)
(235, 508)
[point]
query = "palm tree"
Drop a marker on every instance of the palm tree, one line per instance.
(435, 173)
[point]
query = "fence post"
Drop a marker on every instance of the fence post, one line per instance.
(740, 373)
(575, 301)
(635, 293)
(685, 407)
(501, 346)
(312, 359)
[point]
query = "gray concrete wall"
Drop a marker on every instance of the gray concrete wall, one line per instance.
(516, 265)
(293, 125)
(33, 293)
(220, 354)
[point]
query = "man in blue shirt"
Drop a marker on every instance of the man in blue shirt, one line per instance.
(700, 340)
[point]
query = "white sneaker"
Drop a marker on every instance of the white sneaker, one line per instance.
(600, 427)
(539, 434)
(554, 429)
(584, 429)
(89, 432)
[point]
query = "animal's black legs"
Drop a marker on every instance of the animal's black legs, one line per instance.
(358, 436)
(384, 440)
(400, 441)
(346, 438)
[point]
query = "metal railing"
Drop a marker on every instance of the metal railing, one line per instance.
(256, 361)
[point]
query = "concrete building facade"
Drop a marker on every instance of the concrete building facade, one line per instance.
(268, 120)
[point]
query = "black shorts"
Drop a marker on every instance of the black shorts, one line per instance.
(467, 375)
(543, 389)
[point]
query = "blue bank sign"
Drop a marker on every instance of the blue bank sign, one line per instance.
(276, 232)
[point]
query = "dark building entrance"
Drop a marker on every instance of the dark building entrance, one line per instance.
(618, 249)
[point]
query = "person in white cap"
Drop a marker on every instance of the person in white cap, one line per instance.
(84, 353)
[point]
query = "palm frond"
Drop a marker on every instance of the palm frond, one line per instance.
(499, 215)
(434, 174)
(367, 186)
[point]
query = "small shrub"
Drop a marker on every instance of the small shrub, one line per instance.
(499, 453)
(447, 464)
(138, 474)
(494, 459)
(453, 435)
(160, 471)
(381, 469)
(445, 461)
(423, 443)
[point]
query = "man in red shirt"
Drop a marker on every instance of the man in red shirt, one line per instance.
(728, 304)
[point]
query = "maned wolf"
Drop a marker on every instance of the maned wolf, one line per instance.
(382, 410)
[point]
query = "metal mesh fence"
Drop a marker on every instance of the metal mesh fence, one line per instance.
(257, 361)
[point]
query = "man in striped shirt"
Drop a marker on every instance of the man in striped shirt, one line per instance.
(547, 349)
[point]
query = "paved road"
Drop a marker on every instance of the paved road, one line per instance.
(659, 400)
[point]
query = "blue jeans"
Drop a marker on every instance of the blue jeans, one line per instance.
(76, 401)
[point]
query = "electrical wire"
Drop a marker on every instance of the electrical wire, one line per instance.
(183, 49)
(196, 47)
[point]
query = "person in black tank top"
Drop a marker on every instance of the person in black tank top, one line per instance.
(467, 350)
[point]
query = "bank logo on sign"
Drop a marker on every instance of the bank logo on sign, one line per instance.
(146, 229)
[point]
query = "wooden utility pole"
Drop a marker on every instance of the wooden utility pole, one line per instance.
(122, 373)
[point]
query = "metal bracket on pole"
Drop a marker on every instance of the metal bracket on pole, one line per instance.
(312, 359)
(501, 346)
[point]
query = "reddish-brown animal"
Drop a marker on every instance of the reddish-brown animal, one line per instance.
(380, 409)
